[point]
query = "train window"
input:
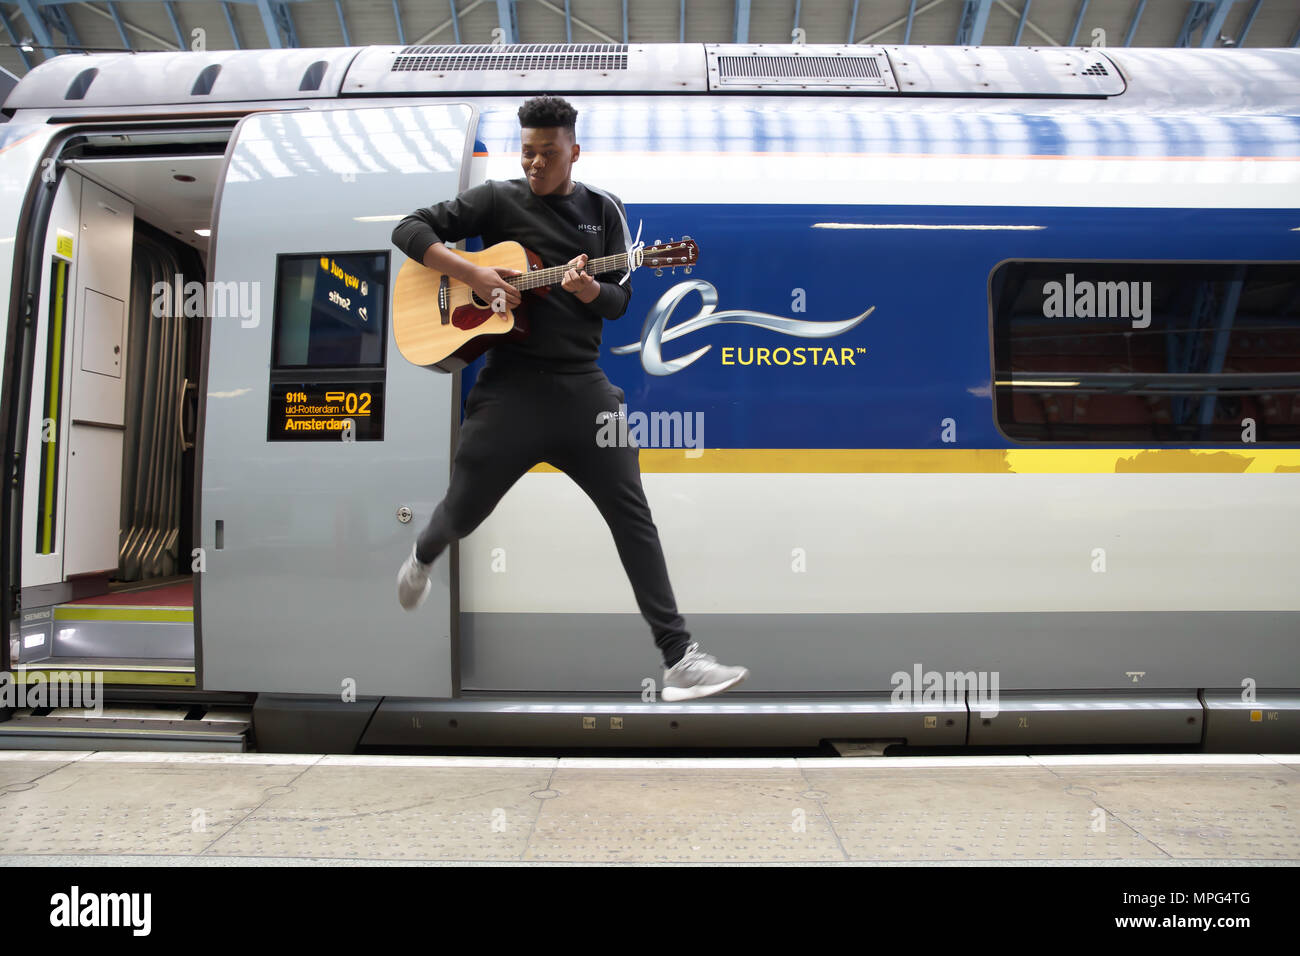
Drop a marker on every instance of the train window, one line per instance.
(330, 310)
(1155, 352)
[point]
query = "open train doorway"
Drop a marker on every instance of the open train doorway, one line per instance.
(109, 474)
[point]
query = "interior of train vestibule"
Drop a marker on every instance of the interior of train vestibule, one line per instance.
(109, 478)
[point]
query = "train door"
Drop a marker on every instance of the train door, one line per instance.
(25, 195)
(322, 450)
(108, 404)
(75, 436)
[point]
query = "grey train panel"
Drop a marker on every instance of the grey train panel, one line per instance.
(1015, 71)
(301, 597)
(288, 724)
(1166, 718)
(848, 653)
(162, 640)
(1269, 723)
(752, 721)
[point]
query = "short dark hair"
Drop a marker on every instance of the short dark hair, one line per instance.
(543, 112)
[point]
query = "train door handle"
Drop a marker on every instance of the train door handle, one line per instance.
(186, 385)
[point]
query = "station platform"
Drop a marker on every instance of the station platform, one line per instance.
(72, 808)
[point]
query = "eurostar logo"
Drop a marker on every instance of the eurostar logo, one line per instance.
(654, 332)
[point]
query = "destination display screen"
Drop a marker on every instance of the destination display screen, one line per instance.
(320, 411)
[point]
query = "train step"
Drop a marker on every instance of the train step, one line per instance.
(136, 727)
(115, 671)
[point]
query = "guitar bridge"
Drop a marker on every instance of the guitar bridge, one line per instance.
(444, 300)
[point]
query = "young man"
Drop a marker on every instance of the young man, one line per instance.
(539, 398)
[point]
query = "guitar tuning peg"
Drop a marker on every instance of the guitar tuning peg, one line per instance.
(684, 238)
(656, 242)
(687, 270)
(659, 272)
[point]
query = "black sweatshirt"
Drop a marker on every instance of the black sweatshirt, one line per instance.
(563, 331)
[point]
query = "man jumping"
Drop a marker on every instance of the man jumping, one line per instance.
(538, 398)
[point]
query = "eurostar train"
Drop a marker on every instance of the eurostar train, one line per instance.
(976, 422)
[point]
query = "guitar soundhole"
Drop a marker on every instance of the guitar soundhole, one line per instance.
(474, 297)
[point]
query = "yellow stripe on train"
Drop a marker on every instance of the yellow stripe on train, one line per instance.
(1020, 461)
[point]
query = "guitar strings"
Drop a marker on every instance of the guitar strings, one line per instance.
(555, 274)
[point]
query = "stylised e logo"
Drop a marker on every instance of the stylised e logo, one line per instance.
(653, 335)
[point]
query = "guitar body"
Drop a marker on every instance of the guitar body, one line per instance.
(438, 321)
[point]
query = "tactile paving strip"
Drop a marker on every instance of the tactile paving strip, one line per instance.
(1005, 814)
(133, 808)
(1203, 813)
(950, 835)
(416, 813)
(748, 837)
(1218, 834)
(682, 816)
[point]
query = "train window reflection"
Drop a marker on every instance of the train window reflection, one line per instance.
(330, 310)
(1162, 352)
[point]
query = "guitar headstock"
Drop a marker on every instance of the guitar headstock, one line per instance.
(670, 254)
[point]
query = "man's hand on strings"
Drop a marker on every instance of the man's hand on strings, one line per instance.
(578, 282)
(492, 285)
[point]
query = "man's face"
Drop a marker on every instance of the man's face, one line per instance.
(547, 155)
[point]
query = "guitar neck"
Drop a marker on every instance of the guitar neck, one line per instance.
(555, 274)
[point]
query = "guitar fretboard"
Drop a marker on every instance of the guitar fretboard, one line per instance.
(555, 274)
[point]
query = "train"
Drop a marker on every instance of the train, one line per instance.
(975, 424)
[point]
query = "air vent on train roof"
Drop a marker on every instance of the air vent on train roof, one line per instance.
(527, 68)
(796, 67)
(520, 56)
(840, 70)
(801, 67)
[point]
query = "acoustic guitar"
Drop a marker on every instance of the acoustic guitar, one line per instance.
(440, 322)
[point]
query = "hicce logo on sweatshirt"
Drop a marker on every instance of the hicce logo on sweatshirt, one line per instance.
(102, 909)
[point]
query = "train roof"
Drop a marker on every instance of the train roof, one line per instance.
(1260, 81)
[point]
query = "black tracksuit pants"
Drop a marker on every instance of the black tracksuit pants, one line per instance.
(518, 416)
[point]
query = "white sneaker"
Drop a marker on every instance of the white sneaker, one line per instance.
(699, 675)
(413, 582)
